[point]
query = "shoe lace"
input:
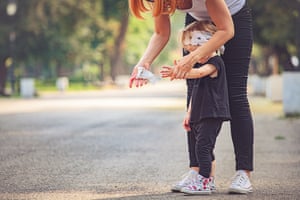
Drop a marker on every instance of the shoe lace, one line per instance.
(204, 183)
(239, 179)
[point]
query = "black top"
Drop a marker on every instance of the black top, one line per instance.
(210, 95)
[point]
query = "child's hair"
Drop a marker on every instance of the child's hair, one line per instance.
(205, 26)
(197, 33)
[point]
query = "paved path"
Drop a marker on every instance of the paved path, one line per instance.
(129, 144)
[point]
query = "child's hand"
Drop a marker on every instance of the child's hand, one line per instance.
(166, 71)
(186, 122)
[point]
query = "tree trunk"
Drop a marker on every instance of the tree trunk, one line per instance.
(115, 59)
(274, 61)
(3, 76)
(101, 68)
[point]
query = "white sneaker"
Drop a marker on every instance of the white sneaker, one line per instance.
(199, 187)
(188, 178)
(240, 183)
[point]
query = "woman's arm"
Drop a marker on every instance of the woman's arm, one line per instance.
(221, 17)
(158, 41)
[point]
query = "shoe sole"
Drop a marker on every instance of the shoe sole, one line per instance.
(196, 192)
(180, 191)
(239, 191)
(175, 190)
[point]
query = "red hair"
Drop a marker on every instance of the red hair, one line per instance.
(157, 7)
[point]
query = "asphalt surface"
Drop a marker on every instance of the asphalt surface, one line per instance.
(129, 144)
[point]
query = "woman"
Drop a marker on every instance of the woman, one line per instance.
(232, 18)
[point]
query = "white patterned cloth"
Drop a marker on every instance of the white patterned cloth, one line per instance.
(146, 74)
(198, 38)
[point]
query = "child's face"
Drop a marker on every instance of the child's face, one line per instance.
(193, 39)
(190, 47)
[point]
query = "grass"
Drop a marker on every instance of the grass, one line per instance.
(50, 86)
(293, 116)
(73, 86)
(279, 137)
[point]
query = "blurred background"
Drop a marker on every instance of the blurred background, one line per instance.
(71, 45)
(71, 128)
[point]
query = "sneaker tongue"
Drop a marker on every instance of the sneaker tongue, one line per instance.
(190, 176)
(241, 172)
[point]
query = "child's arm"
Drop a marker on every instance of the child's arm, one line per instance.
(205, 70)
(186, 120)
(166, 71)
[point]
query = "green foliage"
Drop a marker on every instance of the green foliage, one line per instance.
(276, 27)
(61, 35)
(139, 34)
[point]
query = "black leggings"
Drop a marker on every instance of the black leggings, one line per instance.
(236, 58)
(206, 132)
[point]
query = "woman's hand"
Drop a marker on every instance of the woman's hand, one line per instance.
(138, 82)
(185, 64)
(181, 67)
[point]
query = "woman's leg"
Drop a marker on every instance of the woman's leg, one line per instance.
(236, 58)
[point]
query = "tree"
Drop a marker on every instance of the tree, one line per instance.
(56, 36)
(122, 17)
(7, 36)
(276, 28)
(119, 36)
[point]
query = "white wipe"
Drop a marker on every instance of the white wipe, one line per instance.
(146, 74)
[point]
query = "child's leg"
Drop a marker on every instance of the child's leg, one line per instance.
(193, 158)
(192, 151)
(206, 133)
(213, 169)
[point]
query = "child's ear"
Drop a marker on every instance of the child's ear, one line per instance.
(184, 38)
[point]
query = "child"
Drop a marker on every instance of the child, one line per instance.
(208, 104)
